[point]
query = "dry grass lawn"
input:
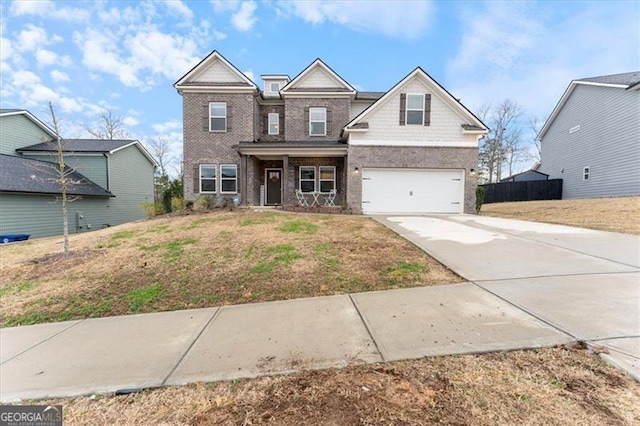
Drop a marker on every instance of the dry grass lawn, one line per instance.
(550, 386)
(204, 260)
(620, 214)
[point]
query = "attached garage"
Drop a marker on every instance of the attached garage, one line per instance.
(412, 191)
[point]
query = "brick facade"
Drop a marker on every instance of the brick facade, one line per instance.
(297, 121)
(410, 157)
(204, 147)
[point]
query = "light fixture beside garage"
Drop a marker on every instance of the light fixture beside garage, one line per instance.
(356, 171)
(472, 172)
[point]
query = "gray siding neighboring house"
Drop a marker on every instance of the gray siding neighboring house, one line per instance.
(112, 179)
(526, 176)
(592, 139)
(413, 148)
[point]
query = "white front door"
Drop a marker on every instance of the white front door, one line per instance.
(412, 191)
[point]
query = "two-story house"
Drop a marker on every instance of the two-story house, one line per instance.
(108, 179)
(412, 149)
(591, 140)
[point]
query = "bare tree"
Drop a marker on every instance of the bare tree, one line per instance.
(63, 178)
(502, 145)
(160, 150)
(110, 126)
(535, 124)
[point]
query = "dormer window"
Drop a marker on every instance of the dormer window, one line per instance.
(274, 87)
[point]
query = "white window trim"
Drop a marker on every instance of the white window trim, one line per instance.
(235, 166)
(277, 123)
(407, 109)
(586, 172)
(324, 109)
(320, 180)
(215, 179)
(300, 180)
(218, 116)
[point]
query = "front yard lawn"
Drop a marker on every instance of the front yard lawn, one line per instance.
(206, 260)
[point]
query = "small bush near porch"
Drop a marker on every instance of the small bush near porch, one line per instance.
(203, 260)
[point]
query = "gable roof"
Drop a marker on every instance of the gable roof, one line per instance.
(97, 146)
(187, 80)
(627, 81)
(475, 125)
(33, 118)
(531, 170)
(26, 175)
(318, 64)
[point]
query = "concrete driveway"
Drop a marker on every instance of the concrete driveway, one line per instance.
(582, 282)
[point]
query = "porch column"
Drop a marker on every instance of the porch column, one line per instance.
(285, 180)
(244, 192)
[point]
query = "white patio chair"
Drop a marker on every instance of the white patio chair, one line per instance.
(302, 200)
(330, 198)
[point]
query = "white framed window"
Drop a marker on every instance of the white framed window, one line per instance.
(415, 109)
(327, 178)
(228, 178)
(274, 123)
(217, 116)
(307, 178)
(274, 87)
(585, 173)
(317, 121)
(208, 178)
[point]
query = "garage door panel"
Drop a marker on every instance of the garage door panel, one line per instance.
(412, 191)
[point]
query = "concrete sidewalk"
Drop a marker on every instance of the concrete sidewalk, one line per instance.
(581, 282)
(142, 351)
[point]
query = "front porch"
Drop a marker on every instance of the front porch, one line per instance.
(272, 173)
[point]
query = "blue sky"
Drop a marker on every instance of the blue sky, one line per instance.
(86, 56)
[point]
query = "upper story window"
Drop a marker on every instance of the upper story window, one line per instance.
(207, 178)
(274, 87)
(415, 109)
(274, 123)
(317, 121)
(217, 116)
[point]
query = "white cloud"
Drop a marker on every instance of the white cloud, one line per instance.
(178, 7)
(6, 51)
(59, 76)
(49, 9)
(130, 121)
(406, 19)
(31, 38)
(45, 57)
(167, 126)
(221, 6)
(244, 19)
(508, 52)
(25, 78)
(219, 35)
(161, 53)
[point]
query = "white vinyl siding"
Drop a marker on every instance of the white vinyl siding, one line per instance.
(327, 178)
(415, 109)
(274, 123)
(217, 116)
(317, 121)
(208, 179)
(274, 87)
(307, 179)
(228, 179)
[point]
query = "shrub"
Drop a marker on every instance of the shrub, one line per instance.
(204, 203)
(480, 191)
(178, 204)
(151, 209)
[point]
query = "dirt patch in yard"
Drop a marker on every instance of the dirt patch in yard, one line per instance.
(207, 260)
(620, 214)
(548, 386)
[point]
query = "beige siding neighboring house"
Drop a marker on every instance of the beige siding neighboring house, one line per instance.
(412, 149)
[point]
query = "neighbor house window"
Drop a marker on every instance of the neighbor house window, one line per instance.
(327, 178)
(217, 116)
(274, 87)
(207, 178)
(228, 179)
(585, 173)
(415, 109)
(317, 121)
(274, 123)
(307, 179)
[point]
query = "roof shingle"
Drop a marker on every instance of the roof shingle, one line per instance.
(80, 145)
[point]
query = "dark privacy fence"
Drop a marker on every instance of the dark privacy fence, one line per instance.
(523, 191)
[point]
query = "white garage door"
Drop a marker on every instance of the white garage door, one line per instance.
(412, 191)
